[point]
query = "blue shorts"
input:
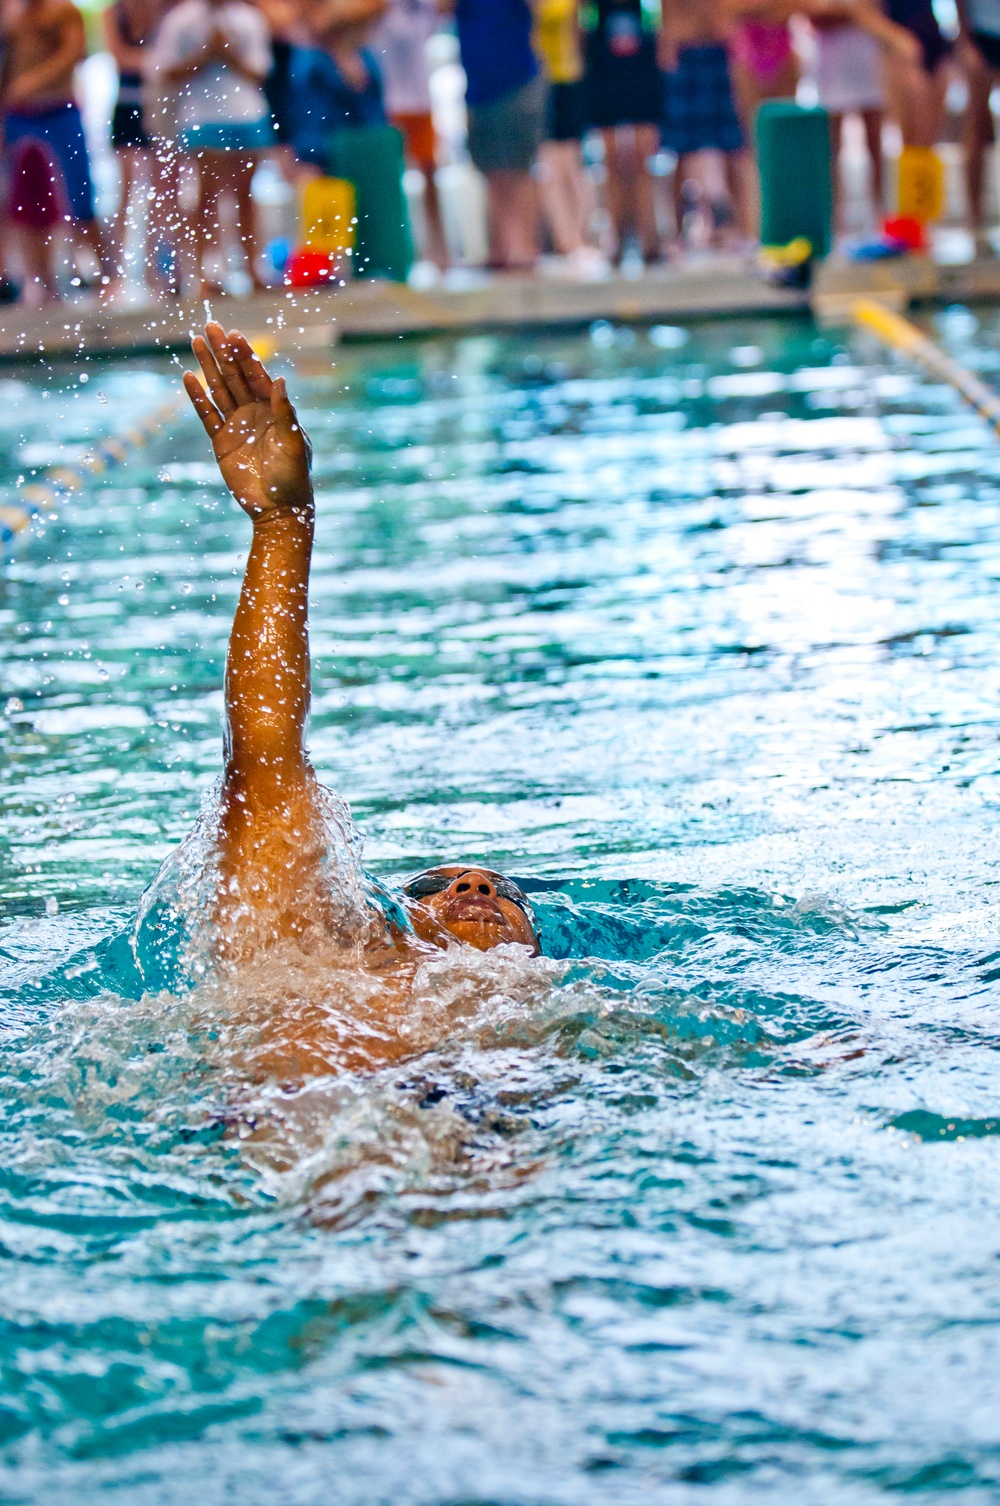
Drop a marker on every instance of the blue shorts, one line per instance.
(699, 113)
(57, 134)
(255, 137)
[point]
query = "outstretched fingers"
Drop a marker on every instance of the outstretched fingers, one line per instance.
(203, 405)
(281, 406)
(205, 356)
(229, 367)
(286, 420)
(250, 366)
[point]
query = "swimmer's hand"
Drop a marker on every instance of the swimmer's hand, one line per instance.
(262, 451)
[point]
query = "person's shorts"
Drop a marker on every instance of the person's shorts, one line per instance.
(254, 137)
(278, 91)
(987, 46)
(48, 166)
(419, 139)
(127, 129)
(504, 136)
(699, 114)
(567, 112)
(849, 71)
(934, 45)
(622, 90)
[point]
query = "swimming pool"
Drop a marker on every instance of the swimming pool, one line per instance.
(715, 1217)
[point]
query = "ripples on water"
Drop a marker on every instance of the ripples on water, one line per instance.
(715, 1215)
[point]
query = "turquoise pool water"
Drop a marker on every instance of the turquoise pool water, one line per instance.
(703, 1206)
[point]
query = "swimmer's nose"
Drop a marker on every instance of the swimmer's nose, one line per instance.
(472, 884)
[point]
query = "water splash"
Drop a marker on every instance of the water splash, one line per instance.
(192, 919)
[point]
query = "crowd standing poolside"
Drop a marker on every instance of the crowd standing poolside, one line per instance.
(592, 131)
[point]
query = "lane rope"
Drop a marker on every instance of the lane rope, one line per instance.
(58, 482)
(903, 336)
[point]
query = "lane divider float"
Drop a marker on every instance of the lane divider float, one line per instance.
(58, 482)
(903, 336)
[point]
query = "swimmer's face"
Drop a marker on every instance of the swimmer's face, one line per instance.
(474, 905)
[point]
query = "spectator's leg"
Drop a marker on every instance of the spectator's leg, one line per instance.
(978, 134)
(37, 249)
(872, 121)
(8, 289)
(69, 147)
(680, 172)
(90, 234)
(211, 172)
(749, 93)
(615, 189)
(34, 208)
(242, 169)
(935, 97)
(513, 220)
(647, 141)
(129, 161)
(738, 169)
(437, 244)
(836, 133)
(497, 228)
(169, 233)
(562, 194)
(917, 99)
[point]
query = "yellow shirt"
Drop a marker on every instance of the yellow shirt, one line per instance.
(557, 39)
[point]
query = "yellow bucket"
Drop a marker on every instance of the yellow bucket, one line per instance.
(921, 184)
(328, 215)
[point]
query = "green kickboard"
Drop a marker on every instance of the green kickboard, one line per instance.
(371, 157)
(796, 178)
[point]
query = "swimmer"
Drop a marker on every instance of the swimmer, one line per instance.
(273, 842)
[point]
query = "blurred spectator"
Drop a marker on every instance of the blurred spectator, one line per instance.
(700, 114)
(762, 59)
(625, 102)
(979, 43)
(567, 199)
(285, 28)
(849, 74)
(401, 46)
(849, 81)
(213, 57)
(506, 96)
(336, 83)
(48, 169)
(917, 85)
(286, 31)
(129, 27)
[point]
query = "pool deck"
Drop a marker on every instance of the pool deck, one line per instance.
(306, 320)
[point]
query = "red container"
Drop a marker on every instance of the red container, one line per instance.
(907, 232)
(312, 269)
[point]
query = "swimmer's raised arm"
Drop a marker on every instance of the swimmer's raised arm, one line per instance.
(273, 838)
(264, 458)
